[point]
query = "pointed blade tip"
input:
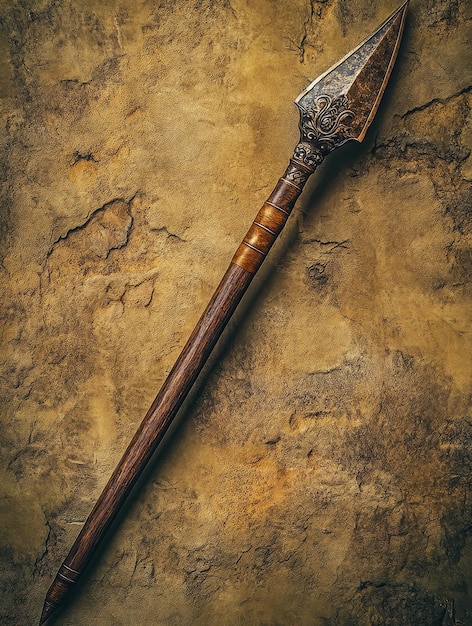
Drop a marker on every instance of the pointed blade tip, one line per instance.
(400, 12)
(364, 53)
(401, 9)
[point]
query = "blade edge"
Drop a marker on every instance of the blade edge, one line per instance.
(390, 18)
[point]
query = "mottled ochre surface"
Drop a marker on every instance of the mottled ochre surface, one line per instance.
(321, 477)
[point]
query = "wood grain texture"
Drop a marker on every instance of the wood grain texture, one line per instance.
(151, 431)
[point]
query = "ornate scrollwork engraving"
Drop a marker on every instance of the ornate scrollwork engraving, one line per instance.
(324, 125)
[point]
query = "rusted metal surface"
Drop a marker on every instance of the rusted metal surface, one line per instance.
(340, 105)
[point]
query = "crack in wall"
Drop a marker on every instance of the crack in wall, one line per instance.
(39, 563)
(169, 235)
(82, 156)
(93, 216)
(434, 101)
(307, 31)
(330, 245)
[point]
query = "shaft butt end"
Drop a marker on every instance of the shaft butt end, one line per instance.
(61, 587)
(48, 610)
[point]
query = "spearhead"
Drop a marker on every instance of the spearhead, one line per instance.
(337, 107)
(340, 105)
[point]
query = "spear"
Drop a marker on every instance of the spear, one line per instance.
(338, 107)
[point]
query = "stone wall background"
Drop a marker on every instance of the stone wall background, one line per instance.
(322, 474)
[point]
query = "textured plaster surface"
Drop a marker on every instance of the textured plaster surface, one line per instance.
(321, 475)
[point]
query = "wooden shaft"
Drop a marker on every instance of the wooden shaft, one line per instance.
(152, 429)
(328, 120)
(249, 256)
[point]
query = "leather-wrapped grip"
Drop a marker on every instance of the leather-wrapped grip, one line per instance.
(270, 220)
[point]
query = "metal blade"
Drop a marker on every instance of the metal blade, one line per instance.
(341, 103)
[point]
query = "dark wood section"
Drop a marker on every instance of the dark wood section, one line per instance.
(151, 431)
